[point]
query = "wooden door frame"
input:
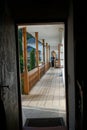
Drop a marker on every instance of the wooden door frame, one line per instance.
(35, 22)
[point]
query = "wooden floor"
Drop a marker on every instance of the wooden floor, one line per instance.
(47, 97)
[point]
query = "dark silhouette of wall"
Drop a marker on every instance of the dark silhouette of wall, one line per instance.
(8, 70)
(80, 38)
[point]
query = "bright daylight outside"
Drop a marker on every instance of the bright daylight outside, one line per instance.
(42, 74)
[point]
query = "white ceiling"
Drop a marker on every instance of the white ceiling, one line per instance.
(53, 34)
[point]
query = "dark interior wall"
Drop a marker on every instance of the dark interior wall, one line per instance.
(8, 68)
(39, 11)
(70, 65)
(80, 32)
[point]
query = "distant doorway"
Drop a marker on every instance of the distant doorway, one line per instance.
(53, 58)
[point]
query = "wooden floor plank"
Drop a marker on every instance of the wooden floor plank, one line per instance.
(47, 94)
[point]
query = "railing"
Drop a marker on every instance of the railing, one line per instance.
(35, 74)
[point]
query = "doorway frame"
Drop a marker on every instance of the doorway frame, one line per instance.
(36, 22)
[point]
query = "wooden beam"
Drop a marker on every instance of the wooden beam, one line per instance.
(26, 77)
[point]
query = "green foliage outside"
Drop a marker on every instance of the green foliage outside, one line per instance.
(29, 36)
(21, 57)
(22, 86)
(21, 63)
(28, 67)
(31, 64)
(20, 47)
(32, 59)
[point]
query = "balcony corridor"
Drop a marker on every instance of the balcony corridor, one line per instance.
(47, 97)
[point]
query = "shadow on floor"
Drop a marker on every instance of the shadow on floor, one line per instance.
(45, 122)
(38, 113)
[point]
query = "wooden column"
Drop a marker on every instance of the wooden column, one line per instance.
(59, 55)
(49, 55)
(37, 54)
(59, 46)
(46, 52)
(43, 41)
(26, 77)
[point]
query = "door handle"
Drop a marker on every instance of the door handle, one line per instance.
(4, 86)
